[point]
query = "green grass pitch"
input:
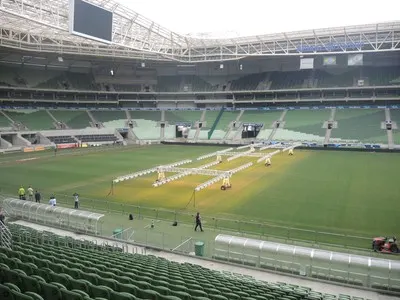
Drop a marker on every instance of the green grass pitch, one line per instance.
(353, 193)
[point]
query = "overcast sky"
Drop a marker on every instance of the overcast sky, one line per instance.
(254, 17)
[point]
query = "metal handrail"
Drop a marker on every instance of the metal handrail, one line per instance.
(5, 236)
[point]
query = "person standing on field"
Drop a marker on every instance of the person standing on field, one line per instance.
(38, 197)
(198, 222)
(76, 200)
(53, 201)
(21, 193)
(30, 193)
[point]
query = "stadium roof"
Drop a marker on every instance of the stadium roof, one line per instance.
(43, 25)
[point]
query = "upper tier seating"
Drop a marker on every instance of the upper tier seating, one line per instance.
(248, 82)
(26, 77)
(59, 268)
(289, 80)
(180, 83)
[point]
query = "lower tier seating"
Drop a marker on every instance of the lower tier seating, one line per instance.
(62, 139)
(49, 267)
(97, 138)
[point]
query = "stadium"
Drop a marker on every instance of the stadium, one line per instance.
(120, 137)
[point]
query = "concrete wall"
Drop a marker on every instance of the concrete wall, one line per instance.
(4, 143)
(18, 140)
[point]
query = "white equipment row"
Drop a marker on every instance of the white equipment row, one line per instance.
(240, 154)
(291, 147)
(209, 182)
(250, 154)
(182, 174)
(171, 178)
(241, 168)
(221, 177)
(269, 155)
(211, 164)
(214, 154)
(267, 147)
(249, 145)
(195, 171)
(148, 171)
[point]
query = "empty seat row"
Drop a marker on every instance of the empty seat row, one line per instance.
(62, 139)
(97, 138)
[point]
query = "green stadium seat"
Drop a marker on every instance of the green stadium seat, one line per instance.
(162, 290)
(29, 284)
(20, 296)
(80, 284)
(163, 297)
(98, 291)
(34, 296)
(198, 293)
(63, 279)
(122, 296)
(49, 291)
(181, 295)
(45, 273)
(141, 284)
(91, 277)
(82, 293)
(70, 295)
(149, 294)
(217, 297)
(259, 297)
(5, 293)
(242, 294)
(111, 283)
(12, 286)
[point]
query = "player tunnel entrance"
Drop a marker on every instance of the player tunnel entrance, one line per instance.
(251, 130)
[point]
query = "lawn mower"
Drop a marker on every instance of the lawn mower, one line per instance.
(385, 245)
(226, 184)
